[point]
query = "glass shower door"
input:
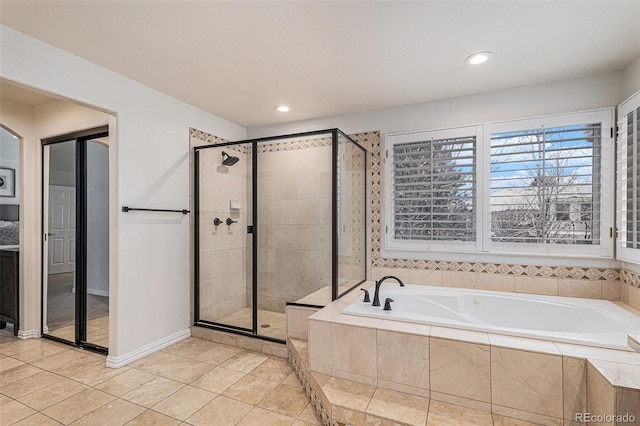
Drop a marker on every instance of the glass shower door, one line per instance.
(225, 244)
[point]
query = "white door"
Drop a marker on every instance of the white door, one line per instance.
(62, 229)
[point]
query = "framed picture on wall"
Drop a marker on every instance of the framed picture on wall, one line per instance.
(7, 182)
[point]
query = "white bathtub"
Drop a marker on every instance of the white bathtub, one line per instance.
(562, 319)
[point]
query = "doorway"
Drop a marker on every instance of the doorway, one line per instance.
(75, 250)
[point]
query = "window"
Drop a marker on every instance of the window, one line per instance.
(538, 177)
(433, 186)
(539, 186)
(629, 180)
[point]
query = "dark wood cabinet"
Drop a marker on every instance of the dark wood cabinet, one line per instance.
(9, 288)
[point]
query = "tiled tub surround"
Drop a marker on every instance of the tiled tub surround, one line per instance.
(534, 380)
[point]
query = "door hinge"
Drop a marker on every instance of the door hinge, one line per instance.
(612, 133)
(613, 233)
(44, 237)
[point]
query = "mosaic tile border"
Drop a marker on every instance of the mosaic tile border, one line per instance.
(371, 140)
(208, 138)
(630, 278)
(321, 410)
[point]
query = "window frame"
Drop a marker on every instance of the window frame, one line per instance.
(483, 246)
(430, 245)
(602, 250)
(626, 254)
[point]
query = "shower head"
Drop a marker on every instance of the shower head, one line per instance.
(229, 160)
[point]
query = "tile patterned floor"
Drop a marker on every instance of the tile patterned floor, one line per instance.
(193, 382)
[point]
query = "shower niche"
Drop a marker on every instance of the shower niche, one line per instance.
(277, 221)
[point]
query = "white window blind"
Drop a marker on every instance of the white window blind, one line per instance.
(433, 189)
(545, 185)
(628, 162)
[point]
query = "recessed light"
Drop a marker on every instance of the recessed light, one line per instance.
(478, 58)
(282, 108)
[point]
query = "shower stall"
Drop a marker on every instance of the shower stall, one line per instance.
(277, 221)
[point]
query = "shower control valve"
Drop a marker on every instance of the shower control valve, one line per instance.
(217, 221)
(230, 221)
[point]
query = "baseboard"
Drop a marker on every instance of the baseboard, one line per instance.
(28, 334)
(121, 361)
(98, 292)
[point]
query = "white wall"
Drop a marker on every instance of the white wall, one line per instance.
(542, 99)
(10, 158)
(149, 285)
(631, 79)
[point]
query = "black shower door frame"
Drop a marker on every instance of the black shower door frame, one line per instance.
(253, 332)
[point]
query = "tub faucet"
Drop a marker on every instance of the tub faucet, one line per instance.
(376, 295)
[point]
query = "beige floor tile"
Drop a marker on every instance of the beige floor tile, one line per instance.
(50, 395)
(287, 400)
(508, 421)
(259, 416)
(79, 366)
(292, 380)
(116, 413)
(299, 422)
(244, 361)
(189, 348)
(184, 403)
(274, 369)
(7, 363)
(222, 410)
(153, 418)
(17, 373)
(98, 374)
(158, 363)
(400, 407)
(217, 380)
(187, 372)
(30, 384)
(309, 415)
(102, 322)
(153, 391)
(355, 396)
(250, 389)
(444, 414)
(15, 411)
(4, 399)
(58, 360)
(78, 406)
(218, 354)
(18, 345)
(37, 419)
(125, 382)
(39, 352)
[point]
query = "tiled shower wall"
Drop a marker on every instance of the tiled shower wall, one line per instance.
(294, 198)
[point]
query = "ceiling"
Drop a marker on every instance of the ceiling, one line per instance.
(238, 60)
